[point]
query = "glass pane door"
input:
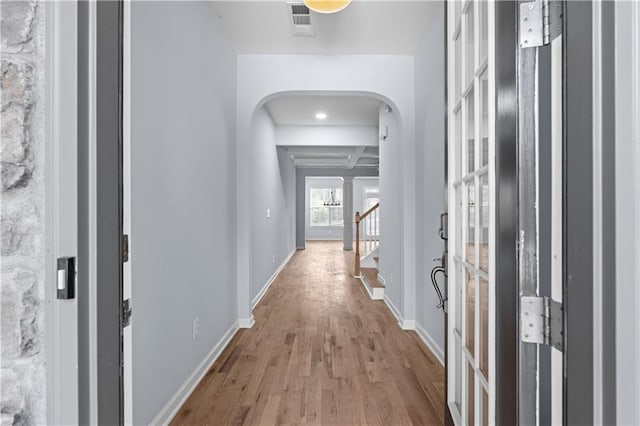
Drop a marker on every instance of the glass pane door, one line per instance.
(471, 357)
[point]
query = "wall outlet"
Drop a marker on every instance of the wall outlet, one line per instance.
(196, 329)
(268, 213)
(273, 258)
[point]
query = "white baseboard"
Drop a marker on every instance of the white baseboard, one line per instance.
(172, 407)
(246, 322)
(378, 293)
(381, 279)
(407, 324)
(394, 310)
(265, 287)
(431, 344)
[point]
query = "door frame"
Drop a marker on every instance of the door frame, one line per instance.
(506, 222)
(100, 212)
(61, 191)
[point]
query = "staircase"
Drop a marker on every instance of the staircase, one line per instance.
(366, 251)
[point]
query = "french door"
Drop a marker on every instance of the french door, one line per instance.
(471, 245)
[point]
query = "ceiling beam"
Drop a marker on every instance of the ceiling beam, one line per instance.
(355, 157)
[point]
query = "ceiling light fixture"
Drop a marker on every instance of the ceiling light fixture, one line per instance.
(327, 6)
(321, 115)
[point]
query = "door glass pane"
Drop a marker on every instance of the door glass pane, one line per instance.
(470, 133)
(458, 70)
(458, 217)
(458, 293)
(482, 6)
(468, 47)
(484, 222)
(470, 395)
(458, 375)
(484, 120)
(458, 140)
(484, 327)
(471, 229)
(470, 311)
(485, 408)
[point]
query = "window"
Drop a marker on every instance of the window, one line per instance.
(326, 207)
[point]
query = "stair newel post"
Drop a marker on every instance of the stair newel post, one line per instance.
(357, 253)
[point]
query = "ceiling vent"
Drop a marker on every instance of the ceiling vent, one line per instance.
(300, 19)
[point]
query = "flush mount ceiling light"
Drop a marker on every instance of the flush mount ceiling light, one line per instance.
(327, 6)
(321, 115)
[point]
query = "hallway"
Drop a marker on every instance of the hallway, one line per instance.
(321, 352)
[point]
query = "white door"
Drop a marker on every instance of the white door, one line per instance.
(471, 357)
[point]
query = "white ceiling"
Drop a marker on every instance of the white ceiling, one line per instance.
(333, 156)
(364, 27)
(341, 110)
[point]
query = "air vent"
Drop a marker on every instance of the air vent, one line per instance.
(300, 19)
(299, 9)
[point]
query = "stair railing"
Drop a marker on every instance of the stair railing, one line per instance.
(371, 234)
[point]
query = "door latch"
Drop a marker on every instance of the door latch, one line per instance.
(541, 321)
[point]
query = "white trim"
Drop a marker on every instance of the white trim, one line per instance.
(396, 312)
(430, 343)
(407, 324)
(168, 412)
(60, 212)
(375, 293)
(382, 280)
(246, 322)
(264, 289)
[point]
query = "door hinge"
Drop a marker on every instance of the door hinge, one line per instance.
(125, 248)
(541, 321)
(540, 22)
(126, 312)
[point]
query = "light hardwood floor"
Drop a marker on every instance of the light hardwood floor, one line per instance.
(321, 352)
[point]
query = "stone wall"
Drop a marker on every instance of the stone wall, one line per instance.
(22, 211)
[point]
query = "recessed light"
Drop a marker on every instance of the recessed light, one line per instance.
(321, 115)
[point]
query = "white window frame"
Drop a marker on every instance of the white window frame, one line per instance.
(311, 207)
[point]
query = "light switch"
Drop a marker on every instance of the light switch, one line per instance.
(268, 213)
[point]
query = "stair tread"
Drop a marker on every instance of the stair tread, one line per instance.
(371, 275)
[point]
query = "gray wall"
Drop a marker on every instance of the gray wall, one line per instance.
(22, 200)
(183, 108)
(391, 200)
(301, 175)
(273, 179)
(320, 232)
(430, 189)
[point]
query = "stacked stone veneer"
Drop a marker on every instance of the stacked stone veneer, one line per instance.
(22, 155)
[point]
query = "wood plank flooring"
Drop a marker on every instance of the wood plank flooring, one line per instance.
(321, 352)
